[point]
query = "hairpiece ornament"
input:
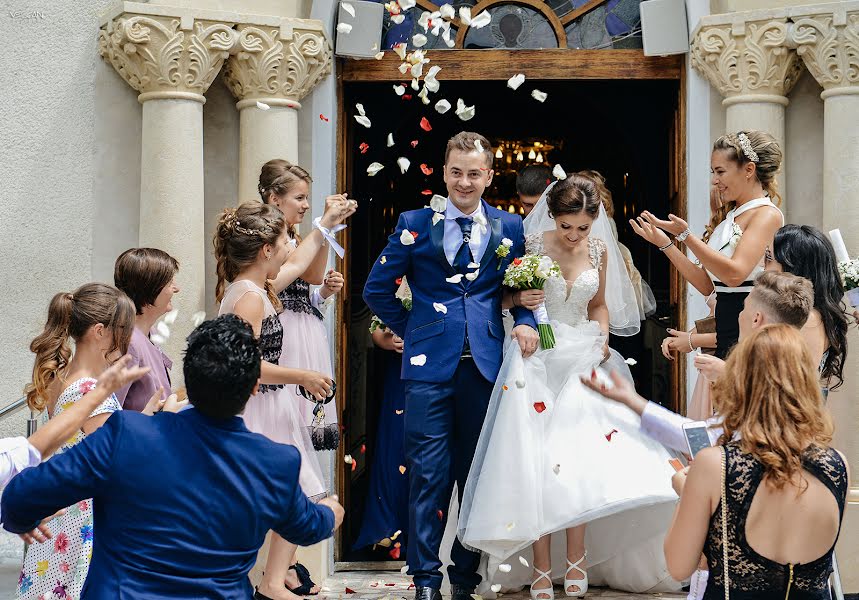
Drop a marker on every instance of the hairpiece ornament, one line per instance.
(746, 146)
(266, 230)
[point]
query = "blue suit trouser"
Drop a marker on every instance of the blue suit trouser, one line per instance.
(443, 423)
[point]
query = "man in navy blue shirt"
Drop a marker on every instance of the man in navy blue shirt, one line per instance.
(182, 501)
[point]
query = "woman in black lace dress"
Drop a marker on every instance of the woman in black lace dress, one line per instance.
(779, 470)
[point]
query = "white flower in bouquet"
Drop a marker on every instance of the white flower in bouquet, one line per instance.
(849, 270)
(530, 273)
(544, 267)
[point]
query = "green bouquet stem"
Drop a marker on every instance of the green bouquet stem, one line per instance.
(547, 336)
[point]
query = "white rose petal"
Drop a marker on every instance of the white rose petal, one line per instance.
(170, 317)
(454, 278)
(495, 587)
(419, 40)
(344, 28)
(465, 15)
(407, 4)
(439, 307)
(472, 276)
(404, 569)
(424, 20)
(157, 339)
(360, 108)
(379, 55)
(419, 360)
(400, 49)
(556, 469)
(631, 362)
(447, 11)
(398, 18)
(465, 113)
(438, 203)
(374, 168)
(390, 140)
(539, 96)
(348, 8)
(437, 217)
(404, 164)
(399, 90)
(198, 317)
(417, 71)
(473, 265)
(507, 242)
(558, 172)
(162, 328)
(262, 105)
(442, 106)
(524, 562)
(514, 82)
(416, 85)
(384, 259)
(505, 568)
(429, 79)
(481, 20)
(520, 383)
(478, 145)
(406, 238)
(363, 120)
(348, 459)
(424, 95)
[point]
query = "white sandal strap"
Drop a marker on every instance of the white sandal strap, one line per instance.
(543, 574)
(576, 564)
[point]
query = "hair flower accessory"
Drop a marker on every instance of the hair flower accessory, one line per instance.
(746, 146)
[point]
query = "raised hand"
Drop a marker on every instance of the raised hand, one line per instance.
(338, 208)
(649, 232)
(119, 375)
(332, 284)
(675, 225)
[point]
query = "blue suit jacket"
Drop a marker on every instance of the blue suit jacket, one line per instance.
(182, 504)
(473, 306)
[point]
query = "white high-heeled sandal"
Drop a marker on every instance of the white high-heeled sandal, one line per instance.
(582, 584)
(549, 591)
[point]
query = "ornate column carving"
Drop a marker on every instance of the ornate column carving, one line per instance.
(275, 66)
(826, 37)
(750, 64)
(171, 58)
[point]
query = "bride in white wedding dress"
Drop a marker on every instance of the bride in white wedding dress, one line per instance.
(555, 458)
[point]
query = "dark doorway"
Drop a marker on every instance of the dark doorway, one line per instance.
(623, 129)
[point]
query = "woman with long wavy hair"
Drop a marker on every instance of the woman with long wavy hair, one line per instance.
(773, 466)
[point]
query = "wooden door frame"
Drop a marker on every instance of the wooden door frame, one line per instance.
(499, 65)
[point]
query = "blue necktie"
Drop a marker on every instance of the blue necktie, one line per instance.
(463, 255)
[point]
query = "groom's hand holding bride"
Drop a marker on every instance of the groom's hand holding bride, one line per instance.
(527, 338)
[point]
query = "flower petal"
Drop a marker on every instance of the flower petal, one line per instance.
(556, 469)
(465, 15)
(384, 259)
(363, 120)
(465, 113)
(425, 169)
(404, 164)
(407, 4)
(348, 8)
(524, 562)
(399, 90)
(400, 49)
(558, 172)
(419, 40)
(425, 124)
(439, 307)
(170, 317)
(390, 140)
(437, 217)
(379, 55)
(374, 168)
(442, 106)
(481, 20)
(438, 203)
(163, 329)
(344, 28)
(398, 19)
(514, 82)
(495, 587)
(406, 238)
(447, 11)
(539, 96)
(505, 568)
(454, 278)
(419, 360)
(262, 105)
(478, 145)
(198, 317)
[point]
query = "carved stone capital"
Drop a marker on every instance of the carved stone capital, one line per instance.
(165, 56)
(829, 46)
(746, 58)
(273, 63)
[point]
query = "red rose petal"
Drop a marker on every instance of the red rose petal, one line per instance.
(426, 192)
(425, 124)
(363, 147)
(395, 553)
(398, 280)
(406, 97)
(363, 448)
(609, 434)
(414, 143)
(414, 234)
(350, 591)
(439, 514)
(426, 170)
(517, 261)
(323, 117)
(354, 465)
(539, 407)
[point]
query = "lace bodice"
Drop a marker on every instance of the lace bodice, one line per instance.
(567, 301)
(749, 572)
(296, 298)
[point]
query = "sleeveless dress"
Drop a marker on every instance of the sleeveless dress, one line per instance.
(729, 300)
(273, 412)
(700, 405)
(754, 576)
(58, 568)
(305, 346)
(553, 455)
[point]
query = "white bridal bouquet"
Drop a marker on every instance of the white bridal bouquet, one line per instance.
(849, 270)
(530, 273)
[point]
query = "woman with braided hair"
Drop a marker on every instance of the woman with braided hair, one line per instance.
(730, 254)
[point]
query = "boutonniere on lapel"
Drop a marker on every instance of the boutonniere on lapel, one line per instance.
(503, 250)
(438, 204)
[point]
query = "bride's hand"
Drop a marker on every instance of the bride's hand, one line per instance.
(649, 232)
(675, 225)
(530, 299)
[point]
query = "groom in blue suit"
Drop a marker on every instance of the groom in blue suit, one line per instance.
(453, 255)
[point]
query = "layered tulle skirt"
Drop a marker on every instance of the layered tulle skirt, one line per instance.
(553, 455)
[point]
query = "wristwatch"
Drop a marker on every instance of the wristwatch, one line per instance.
(683, 235)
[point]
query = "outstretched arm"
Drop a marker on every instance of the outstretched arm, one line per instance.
(393, 263)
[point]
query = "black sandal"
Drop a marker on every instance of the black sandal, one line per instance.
(304, 579)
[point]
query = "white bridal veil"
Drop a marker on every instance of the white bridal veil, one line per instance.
(624, 313)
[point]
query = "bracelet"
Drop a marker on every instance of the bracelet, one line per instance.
(691, 347)
(666, 246)
(683, 235)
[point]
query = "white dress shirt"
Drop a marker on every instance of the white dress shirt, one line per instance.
(666, 427)
(16, 454)
(453, 233)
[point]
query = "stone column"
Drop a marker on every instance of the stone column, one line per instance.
(828, 43)
(171, 61)
(748, 62)
(276, 67)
